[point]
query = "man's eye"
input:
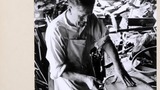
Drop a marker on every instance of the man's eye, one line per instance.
(81, 17)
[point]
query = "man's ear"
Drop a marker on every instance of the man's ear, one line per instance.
(69, 8)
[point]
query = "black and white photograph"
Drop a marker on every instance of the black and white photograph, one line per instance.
(95, 44)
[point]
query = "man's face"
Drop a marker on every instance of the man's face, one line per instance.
(80, 15)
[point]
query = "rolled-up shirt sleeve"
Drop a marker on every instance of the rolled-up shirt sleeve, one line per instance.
(55, 51)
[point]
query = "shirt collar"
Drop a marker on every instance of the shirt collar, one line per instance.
(73, 28)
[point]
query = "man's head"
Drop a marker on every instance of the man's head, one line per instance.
(83, 3)
(79, 10)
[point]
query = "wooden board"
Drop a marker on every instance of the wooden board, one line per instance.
(120, 86)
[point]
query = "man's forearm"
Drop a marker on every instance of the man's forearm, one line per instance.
(119, 69)
(112, 52)
(73, 76)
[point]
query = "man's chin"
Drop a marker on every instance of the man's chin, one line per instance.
(81, 24)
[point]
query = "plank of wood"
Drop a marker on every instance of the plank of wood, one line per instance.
(120, 86)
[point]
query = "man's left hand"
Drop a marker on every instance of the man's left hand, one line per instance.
(124, 77)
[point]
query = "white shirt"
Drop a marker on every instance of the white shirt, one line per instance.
(69, 49)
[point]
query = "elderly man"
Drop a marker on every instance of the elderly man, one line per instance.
(69, 39)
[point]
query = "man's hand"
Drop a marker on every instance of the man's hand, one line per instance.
(124, 77)
(92, 82)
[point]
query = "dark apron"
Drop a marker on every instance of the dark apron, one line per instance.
(78, 57)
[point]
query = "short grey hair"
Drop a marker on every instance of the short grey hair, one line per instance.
(84, 3)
